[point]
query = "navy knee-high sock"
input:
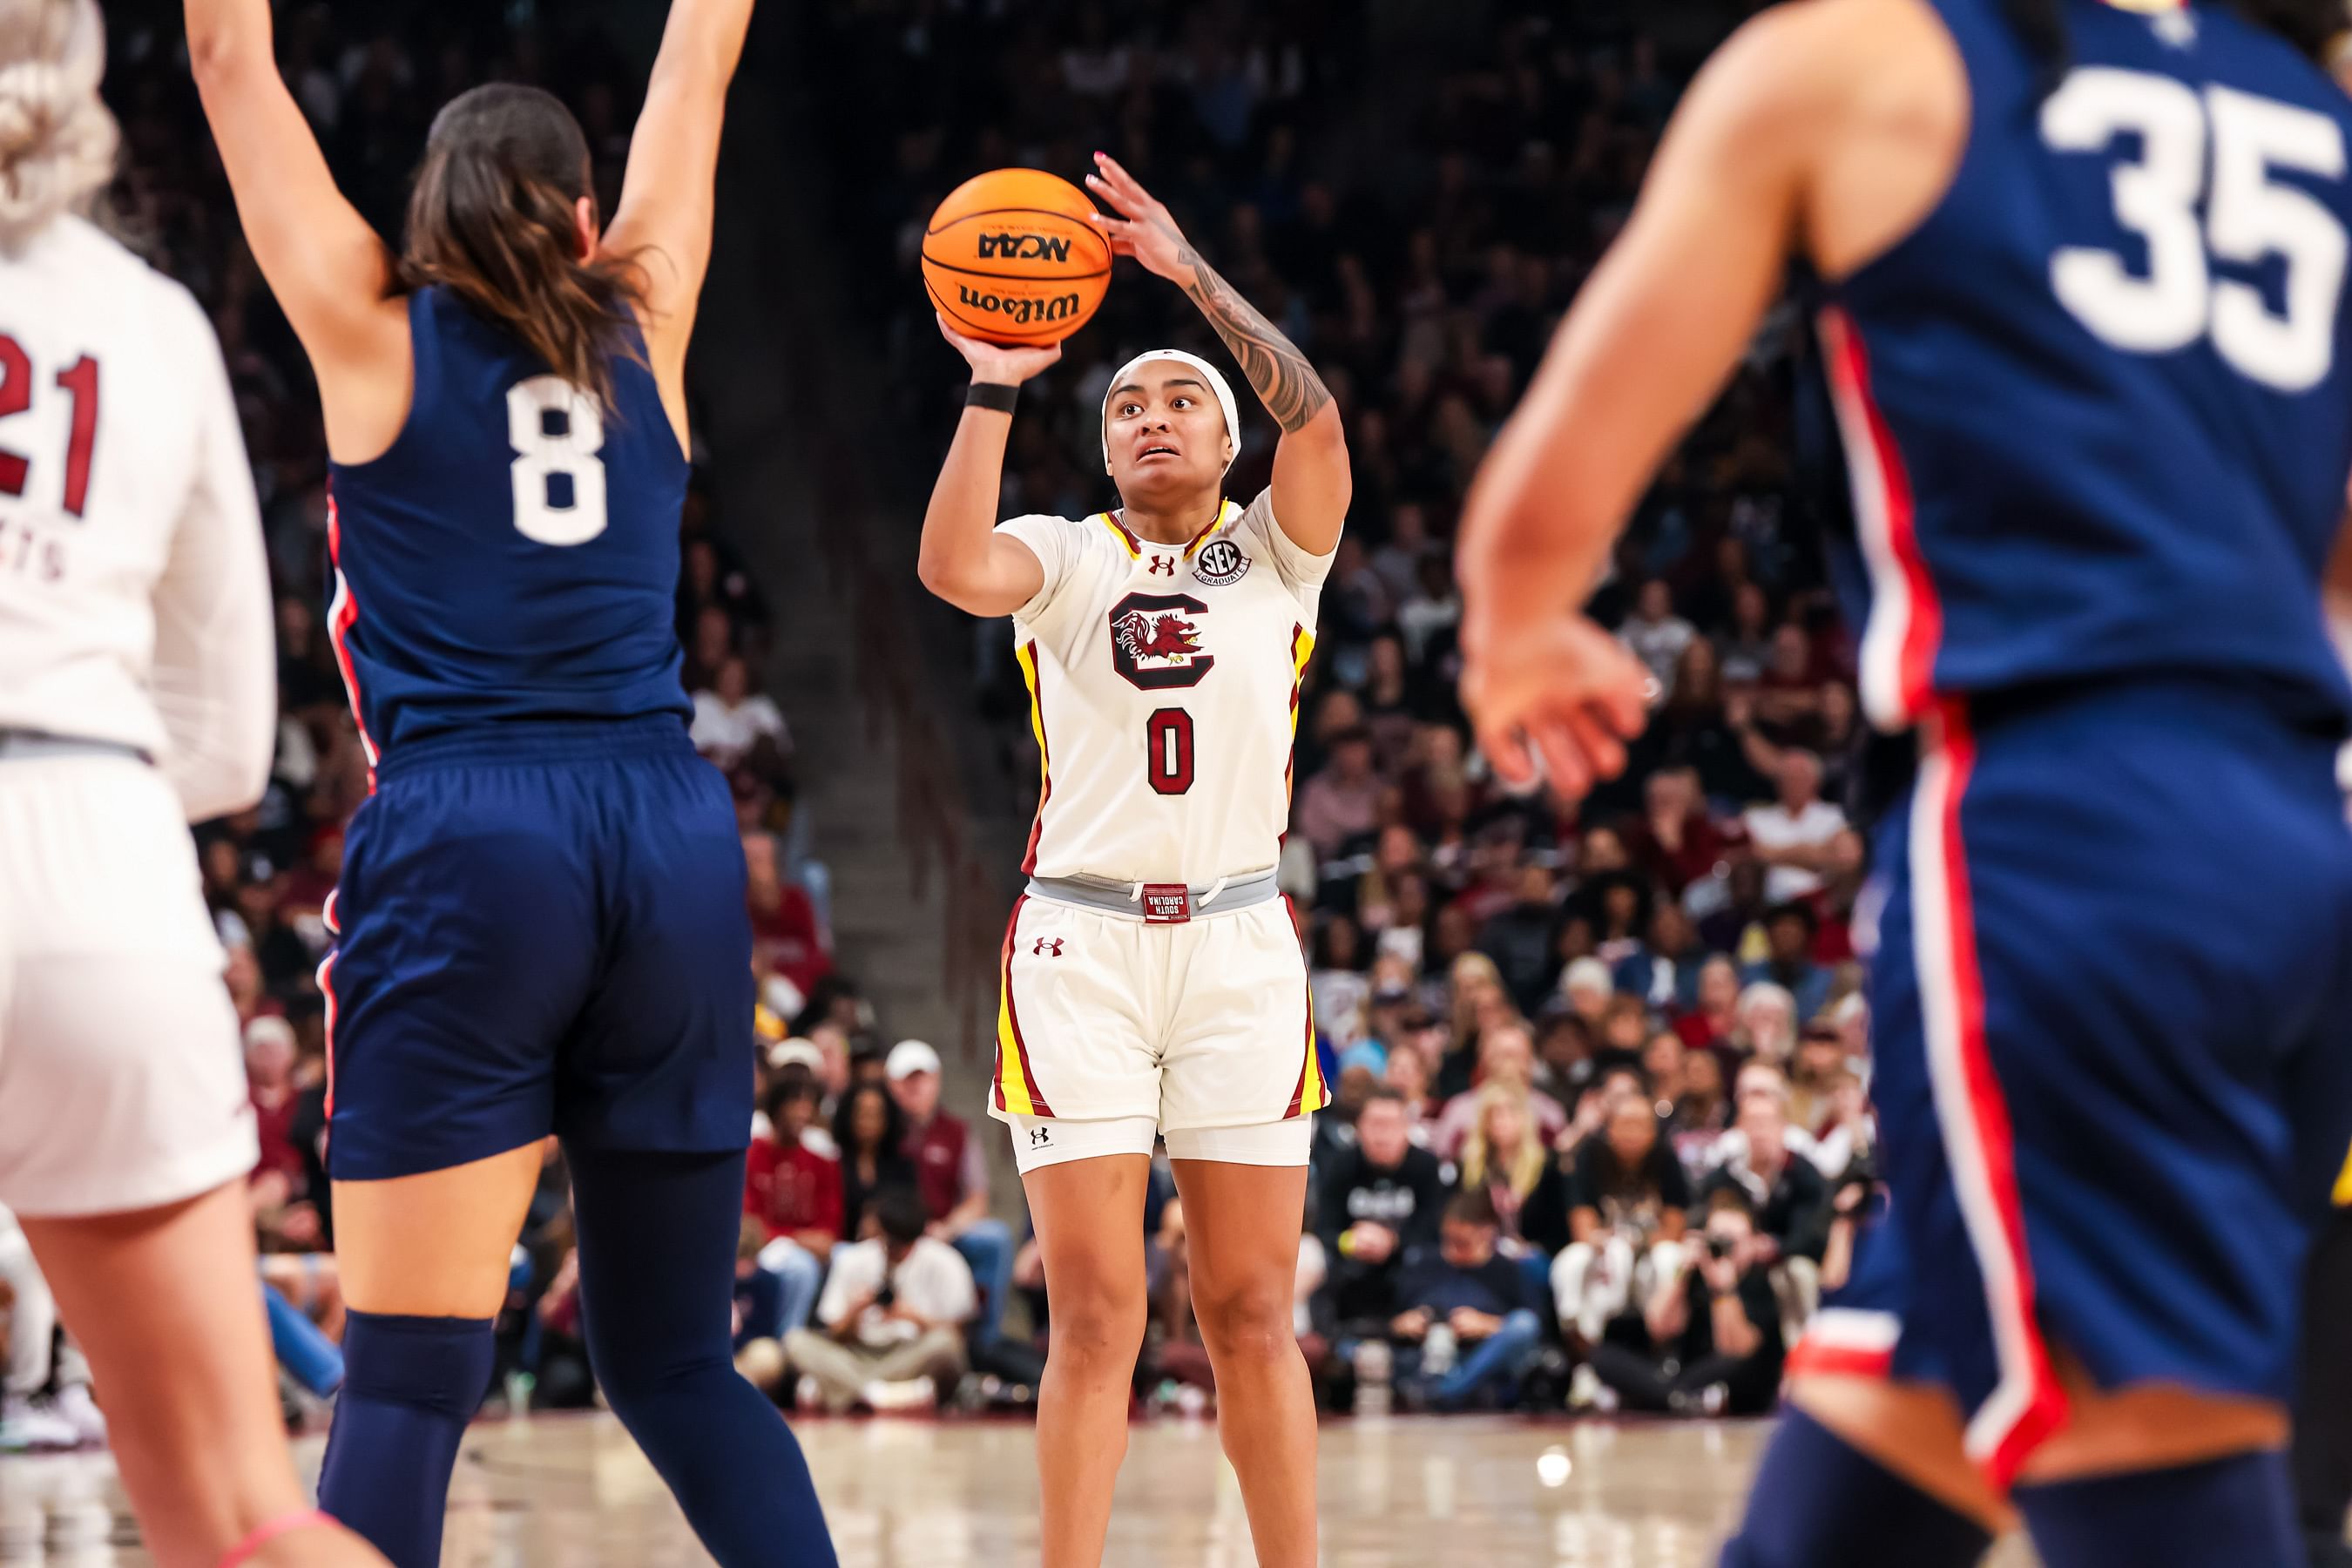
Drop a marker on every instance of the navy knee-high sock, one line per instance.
(410, 1384)
(658, 1239)
(2233, 1512)
(1819, 1502)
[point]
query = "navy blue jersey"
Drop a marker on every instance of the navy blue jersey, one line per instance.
(515, 554)
(2098, 408)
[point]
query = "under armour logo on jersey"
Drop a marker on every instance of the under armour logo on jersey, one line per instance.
(1039, 1137)
(1047, 947)
(1162, 566)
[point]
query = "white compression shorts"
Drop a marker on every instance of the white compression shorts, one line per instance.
(1041, 1141)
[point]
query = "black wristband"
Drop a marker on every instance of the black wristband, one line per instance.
(996, 395)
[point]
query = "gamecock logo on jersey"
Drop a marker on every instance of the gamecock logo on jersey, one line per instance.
(1222, 564)
(1155, 640)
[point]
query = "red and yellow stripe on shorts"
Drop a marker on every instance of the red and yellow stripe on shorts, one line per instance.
(1314, 1093)
(1016, 1085)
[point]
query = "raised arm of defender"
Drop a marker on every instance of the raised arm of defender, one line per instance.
(669, 196)
(328, 268)
(1819, 126)
(1312, 481)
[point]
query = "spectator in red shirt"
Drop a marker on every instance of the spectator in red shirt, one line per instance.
(1675, 841)
(269, 1052)
(785, 937)
(1718, 1003)
(795, 1192)
(952, 1175)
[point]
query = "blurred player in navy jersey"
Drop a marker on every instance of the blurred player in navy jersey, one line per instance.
(540, 925)
(2086, 325)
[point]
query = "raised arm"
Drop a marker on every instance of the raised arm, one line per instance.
(667, 197)
(328, 268)
(963, 559)
(1312, 481)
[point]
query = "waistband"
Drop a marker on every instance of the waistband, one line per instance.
(1159, 903)
(525, 741)
(26, 745)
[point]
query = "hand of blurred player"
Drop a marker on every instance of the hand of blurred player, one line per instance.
(1147, 233)
(996, 362)
(1554, 703)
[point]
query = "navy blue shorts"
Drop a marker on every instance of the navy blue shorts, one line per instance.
(2110, 1001)
(541, 928)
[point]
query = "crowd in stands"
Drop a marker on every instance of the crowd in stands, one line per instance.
(1603, 1129)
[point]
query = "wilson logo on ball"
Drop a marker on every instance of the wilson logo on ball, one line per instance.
(1021, 312)
(1024, 247)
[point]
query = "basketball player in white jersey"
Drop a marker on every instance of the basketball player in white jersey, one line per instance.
(1153, 982)
(137, 694)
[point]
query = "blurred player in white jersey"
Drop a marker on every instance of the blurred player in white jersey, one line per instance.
(1153, 982)
(136, 695)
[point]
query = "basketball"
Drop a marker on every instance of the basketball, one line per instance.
(1016, 257)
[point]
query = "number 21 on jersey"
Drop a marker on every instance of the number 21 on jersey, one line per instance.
(2251, 216)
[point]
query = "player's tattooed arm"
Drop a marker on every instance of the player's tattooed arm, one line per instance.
(1312, 483)
(1286, 382)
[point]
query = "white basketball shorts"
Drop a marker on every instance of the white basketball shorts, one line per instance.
(122, 1070)
(1104, 1017)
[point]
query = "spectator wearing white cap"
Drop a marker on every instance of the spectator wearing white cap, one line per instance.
(952, 1175)
(1587, 985)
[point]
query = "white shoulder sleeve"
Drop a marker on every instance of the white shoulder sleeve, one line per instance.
(1059, 543)
(1304, 572)
(215, 679)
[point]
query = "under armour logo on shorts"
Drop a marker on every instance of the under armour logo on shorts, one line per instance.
(1039, 1137)
(1047, 947)
(1162, 566)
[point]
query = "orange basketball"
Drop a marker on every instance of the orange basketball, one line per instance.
(1016, 257)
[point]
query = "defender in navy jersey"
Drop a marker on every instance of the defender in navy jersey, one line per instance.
(540, 926)
(2087, 336)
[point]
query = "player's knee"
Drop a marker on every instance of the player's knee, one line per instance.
(1097, 1330)
(1249, 1321)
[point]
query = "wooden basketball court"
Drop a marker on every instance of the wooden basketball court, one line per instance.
(564, 1491)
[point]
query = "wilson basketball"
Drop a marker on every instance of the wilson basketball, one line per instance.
(1014, 257)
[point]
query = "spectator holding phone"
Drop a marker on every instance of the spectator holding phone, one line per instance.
(892, 1317)
(1466, 1330)
(1713, 1329)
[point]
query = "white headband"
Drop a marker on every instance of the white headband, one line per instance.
(1217, 384)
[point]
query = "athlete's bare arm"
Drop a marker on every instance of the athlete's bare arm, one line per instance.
(1312, 482)
(328, 268)
(964, 560)
(1831, 128)
(668, 197)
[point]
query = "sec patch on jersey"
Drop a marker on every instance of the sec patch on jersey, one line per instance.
(1221, 565)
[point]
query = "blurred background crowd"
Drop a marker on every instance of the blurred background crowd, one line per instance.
(1602, 1135)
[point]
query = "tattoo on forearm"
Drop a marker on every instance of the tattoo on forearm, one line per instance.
(1286, 382)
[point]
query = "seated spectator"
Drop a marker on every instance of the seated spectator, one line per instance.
(1663, 1060)
(758, 1308)
(1714, 1338)
(1677, 842)
(1465, 1330)
(1503, 1157)
(1375, 1203)
(786, 936)
(1624, 1030)
(1813, 1073)
(793, 1189)
(269, 1052)
(1731, 909)
(1627, 1198)
(1789, 962)
(1712, 1021)
(731, 721)
(1343, 799)
(1757, 1080)
(1588, 986)
(953, 1173)
(1520, 937)
(891, 1317)
(1337, 983)
(871, 1132)
(1407, 1075)
(1656, 635)
(1765, 1029)
(1785, 1193)
(1505, 1057)
(1793, 836)
(1701, 1112)
(1847, 1139)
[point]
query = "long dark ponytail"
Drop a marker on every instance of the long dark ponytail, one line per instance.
(2310, 26)
(492, 219)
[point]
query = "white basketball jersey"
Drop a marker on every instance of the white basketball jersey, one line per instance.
(134, 597)
(1163, 689)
